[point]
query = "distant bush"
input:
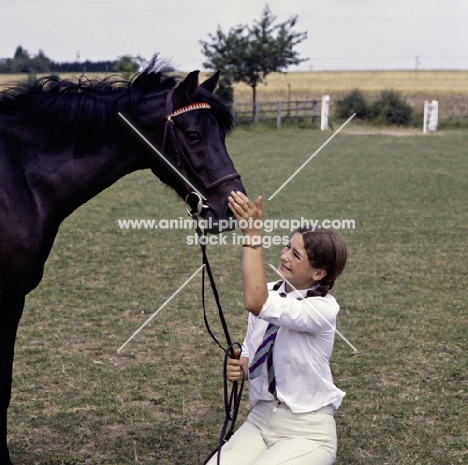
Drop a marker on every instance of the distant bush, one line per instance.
(353, 102)
(391, 108)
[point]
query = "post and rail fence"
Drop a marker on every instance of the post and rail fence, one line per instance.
(319, 110)
(271, 111)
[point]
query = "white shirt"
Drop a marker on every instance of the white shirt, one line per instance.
(301, 353)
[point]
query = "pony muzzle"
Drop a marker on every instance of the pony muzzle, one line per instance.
(194, 204)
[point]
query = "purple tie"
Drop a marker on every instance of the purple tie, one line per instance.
(265, 352)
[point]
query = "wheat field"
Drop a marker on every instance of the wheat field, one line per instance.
(307, 84)
(450, 87)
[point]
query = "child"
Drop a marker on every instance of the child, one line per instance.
(286, 351)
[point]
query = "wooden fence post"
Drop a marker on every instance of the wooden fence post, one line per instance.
(278, 114)
(314, 111)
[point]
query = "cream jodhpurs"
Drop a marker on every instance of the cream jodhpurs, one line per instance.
(273, 435)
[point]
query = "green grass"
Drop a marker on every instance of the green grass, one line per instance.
(76, 401)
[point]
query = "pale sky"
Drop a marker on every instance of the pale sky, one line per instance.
(342, 34)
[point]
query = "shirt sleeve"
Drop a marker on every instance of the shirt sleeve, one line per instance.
(312, 315)
(245, 346)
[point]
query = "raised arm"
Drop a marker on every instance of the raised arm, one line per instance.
(254, 285)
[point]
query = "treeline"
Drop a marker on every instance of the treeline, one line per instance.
(23, 62)
(88, 66)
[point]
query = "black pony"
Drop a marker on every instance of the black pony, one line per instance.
(63, 142)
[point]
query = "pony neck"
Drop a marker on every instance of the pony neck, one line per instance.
(62, 183)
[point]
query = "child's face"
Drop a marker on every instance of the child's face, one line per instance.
(295, 266)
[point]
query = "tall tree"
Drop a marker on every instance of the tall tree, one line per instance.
(22, 62)
(249, 53)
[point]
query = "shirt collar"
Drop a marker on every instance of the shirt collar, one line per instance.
(298, 294)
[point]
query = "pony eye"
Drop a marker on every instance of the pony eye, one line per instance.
(193, 138)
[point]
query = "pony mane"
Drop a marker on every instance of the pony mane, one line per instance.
(84, 110)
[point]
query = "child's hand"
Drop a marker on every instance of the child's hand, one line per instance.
(245, 211)
(234, 370)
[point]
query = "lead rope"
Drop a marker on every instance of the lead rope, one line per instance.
(232, 399)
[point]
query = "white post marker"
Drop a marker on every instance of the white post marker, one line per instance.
(325, 111)
(159, 309)
(431, 116)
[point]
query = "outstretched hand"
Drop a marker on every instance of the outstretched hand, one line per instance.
(254, 286)
(245, 212)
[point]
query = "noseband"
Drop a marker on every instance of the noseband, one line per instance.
(183, 161)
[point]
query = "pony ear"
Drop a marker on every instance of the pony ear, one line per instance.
(187, 88)
(211, 83)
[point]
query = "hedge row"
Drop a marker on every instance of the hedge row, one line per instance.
(390, 108)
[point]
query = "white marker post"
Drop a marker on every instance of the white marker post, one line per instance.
(325, 111)
(431, 116)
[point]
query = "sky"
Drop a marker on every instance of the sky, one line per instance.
(342, 34)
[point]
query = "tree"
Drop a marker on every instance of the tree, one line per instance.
(84, 67)
(127, 65)
(40, 63)
(22, 62)
(249, 53)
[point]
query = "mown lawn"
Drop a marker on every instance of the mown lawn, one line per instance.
(159, 401)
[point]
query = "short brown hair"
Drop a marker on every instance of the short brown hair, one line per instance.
(326, 250)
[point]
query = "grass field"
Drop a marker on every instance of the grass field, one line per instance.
(159, 402)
